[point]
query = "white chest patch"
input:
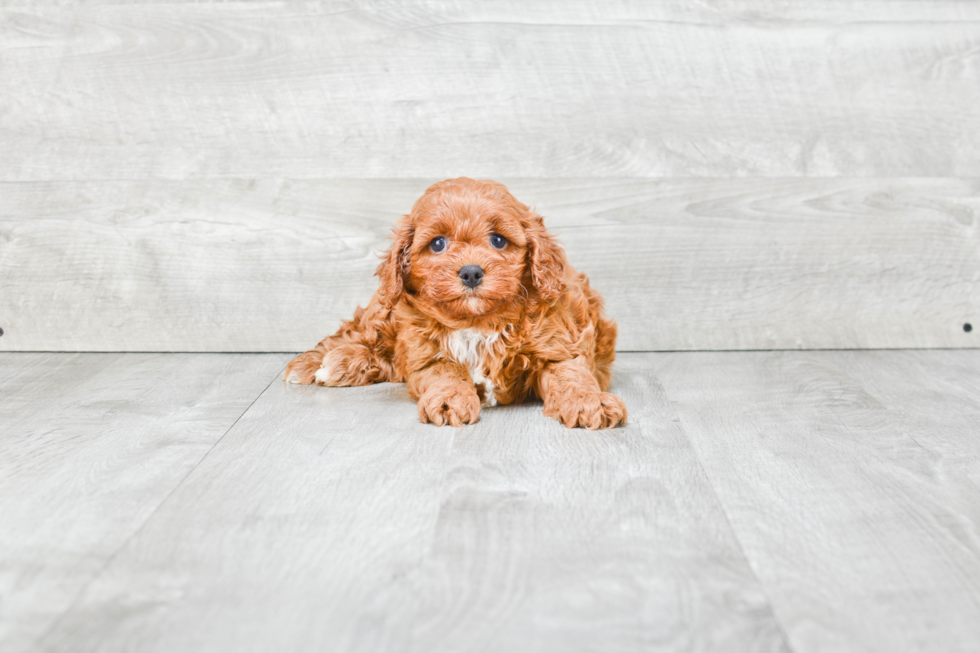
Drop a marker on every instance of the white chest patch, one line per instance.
(468, 346)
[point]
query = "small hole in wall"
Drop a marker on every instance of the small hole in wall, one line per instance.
(968, 327)
(1, 332)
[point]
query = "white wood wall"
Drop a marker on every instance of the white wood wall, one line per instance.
(732, 175)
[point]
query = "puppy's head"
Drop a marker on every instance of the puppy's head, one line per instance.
(468, 249)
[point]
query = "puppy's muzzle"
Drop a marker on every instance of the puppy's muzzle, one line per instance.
(472, 275)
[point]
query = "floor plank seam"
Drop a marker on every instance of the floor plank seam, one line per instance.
(81, 592)
(618, 351)
(741, 547)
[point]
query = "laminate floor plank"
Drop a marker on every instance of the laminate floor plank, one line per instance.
(777, 501)
(913, 385)
(91, 444)
(834, 471)
(330, 519)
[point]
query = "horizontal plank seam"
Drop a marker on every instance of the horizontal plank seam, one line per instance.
(429, 179)
(618, 351)
(81, 592)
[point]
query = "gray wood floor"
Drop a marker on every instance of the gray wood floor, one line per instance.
(787, 501)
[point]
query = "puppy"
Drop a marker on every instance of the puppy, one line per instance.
(476, 306)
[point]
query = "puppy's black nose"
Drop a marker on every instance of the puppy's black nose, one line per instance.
(472, 275)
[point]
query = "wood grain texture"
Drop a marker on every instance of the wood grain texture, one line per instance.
(911, 384)
(91, 445)
(105, 90)
(860, 516)
(273, 265)
(331, 520)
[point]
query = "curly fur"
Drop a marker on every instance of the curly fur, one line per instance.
(532, 328)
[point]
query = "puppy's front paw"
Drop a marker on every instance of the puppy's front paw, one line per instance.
(456, 406)
(588, 409)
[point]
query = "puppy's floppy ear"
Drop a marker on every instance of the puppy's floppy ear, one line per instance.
(546, 258)
(396, 263)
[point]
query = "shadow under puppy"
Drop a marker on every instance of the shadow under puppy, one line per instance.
(477, 305)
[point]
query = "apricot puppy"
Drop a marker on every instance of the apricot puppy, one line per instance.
(476, 306)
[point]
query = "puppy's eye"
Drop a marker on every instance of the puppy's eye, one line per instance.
(498, 241)
(437, 244)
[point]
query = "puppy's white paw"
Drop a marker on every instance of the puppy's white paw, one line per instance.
(323, 374)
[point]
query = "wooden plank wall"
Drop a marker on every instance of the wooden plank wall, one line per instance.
(217, 176)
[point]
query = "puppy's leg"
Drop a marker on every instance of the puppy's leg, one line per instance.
(572, 395)
(335, 362)
(445, 394)
(302, 369)
(358, 354)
